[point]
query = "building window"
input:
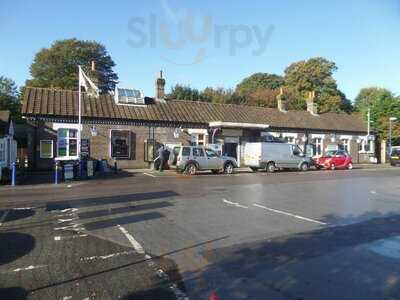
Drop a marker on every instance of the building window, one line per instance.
(121, 144)
(46, 149)
(67, 142)
(346, 145)
(290, 140)
(319, 145)
(2, 150)
(366, 146)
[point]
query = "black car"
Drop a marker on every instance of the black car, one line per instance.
(395, 156)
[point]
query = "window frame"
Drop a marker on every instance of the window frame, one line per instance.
(129, 145)
(67, 138)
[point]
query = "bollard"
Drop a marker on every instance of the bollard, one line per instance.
(115, 167)
(56, 174)
(13, 173)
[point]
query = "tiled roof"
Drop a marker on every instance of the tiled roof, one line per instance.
(40, 102)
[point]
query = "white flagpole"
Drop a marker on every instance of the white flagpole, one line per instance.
(78, 150)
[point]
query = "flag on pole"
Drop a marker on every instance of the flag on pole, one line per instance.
(87, 84)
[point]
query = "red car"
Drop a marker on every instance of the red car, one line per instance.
(332, 160)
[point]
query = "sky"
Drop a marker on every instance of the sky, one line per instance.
(212, 43)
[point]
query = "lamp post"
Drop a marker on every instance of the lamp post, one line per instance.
(391, 120)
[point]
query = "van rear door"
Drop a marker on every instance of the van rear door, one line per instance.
(252, 154)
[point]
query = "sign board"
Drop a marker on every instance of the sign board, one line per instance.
(232, 132)
(68, 171)
(231, 140)
(89, 166)
(85, 148)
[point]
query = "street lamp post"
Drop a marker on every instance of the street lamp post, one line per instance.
(391, 120)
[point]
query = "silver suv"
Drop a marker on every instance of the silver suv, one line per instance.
(190, 159)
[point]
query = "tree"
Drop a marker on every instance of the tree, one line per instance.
(263, 98)
(383, 105)
(57, 66)
(181, 92)
(9, 97)
(258, 81)
(221, 95)
(316, 74)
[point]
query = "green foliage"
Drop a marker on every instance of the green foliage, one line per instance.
(57, 66)
(258, 81)
(316, 74)
(383, 105)
(181, 92)
(10, 97)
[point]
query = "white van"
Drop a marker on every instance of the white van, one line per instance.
(272, 156)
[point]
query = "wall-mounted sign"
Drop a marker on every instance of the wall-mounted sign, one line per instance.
(232, 132)
(85, 148)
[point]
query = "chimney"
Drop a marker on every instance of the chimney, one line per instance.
(282, 104)
(160, 84)
(93, 64)
(312, 107)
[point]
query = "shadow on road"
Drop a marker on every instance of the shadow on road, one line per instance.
(14, 245)
(109, 200)
(13, 215)
(14, 293)
(121, 210)
(280, 264)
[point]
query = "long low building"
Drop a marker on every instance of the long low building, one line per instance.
(131, 131)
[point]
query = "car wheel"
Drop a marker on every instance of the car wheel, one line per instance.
(270, 167)
(254, 169)
(228, 168)
(333, 167)
(304, 167)
(191, 169)
(350, 166)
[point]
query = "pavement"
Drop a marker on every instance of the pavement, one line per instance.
(287, 235)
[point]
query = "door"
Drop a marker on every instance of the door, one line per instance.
(230, 149)
(199, 156)
(214, 162)
(340, 158)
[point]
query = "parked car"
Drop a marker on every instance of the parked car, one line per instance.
(273, 156)
(395, 156)
(334, 159)
(191, 159)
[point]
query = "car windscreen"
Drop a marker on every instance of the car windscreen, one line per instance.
(395, 152)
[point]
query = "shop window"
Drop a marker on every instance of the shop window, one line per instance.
(121, 144)
(318, 142)
(290, 140)
(46, 149)
(67, 142)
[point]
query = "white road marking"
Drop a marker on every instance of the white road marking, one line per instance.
(67, 298)
(66, 220)
(23, 208)
(70, 227)
(151, 175)
(135, 244)
(90, 258)
(3, 217)
(373, 192)
(67, 210)
(234, 203)
(59, 238)
(289, 214)
(27, 268)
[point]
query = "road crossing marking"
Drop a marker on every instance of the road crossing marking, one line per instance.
(289, 214)
(234, 203)
(28, 268)
(59, 238)
(103, 257)
(151, 175)
(135, 244)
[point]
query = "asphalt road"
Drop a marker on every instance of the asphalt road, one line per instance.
(314, 235)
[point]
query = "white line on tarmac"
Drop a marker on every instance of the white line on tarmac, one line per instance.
(70, 227)
(289, 214)
(179, 294)
(66, 220)
(90, 258)
(23, 208)
(59, 238)
(135, 244)
(3, 217)
(26, 268)
(234, 203)
(151, 175)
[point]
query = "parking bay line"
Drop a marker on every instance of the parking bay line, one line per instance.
(289, 214)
